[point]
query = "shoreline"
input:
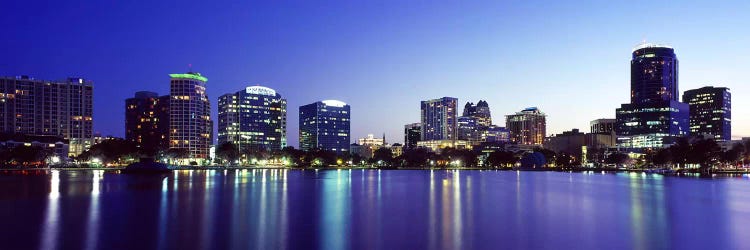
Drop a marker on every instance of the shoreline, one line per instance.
(612, 170)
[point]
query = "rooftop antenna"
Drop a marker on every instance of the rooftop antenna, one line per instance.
(190, 68)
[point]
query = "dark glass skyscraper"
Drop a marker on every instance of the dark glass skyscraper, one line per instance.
(412, 134)
(147, 121)
(253, 118)
(439, 121)
(710, 112)
(325, 125)
(654, 117)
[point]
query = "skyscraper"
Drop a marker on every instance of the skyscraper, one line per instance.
(253, 118)
(190, 115)
(412, 134)
(480, 111)
(710, 112)
(527, 127)
(147, 121)
(439, 119)
(38, 107)
(654, 117)
(325, 125)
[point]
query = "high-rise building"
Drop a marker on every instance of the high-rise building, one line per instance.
(325, 125)
(527, 127)
(147, 121)
(439, 119)
(190, 125)
(480, 111)
(469, 129)
(710, 112)
(412, 134)
(253, 118)
(654, 117)
(38, 107)
(602, 126)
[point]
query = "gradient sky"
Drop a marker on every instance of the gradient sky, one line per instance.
(569, 59)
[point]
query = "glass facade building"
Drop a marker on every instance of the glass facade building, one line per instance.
(654, 117)
(439, 120)
(710, 112)
(190, 125)
(325, 125)
(469, 129)
(480, 112)
(147, 121)
(253, 118)
(43, 108)
(412, 134)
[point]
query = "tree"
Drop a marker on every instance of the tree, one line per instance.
(499, 158)
(228, 152)
(383, 155)
(662, 157)
(119, 151)
(415, 158)
(617, 158)
(705, 153)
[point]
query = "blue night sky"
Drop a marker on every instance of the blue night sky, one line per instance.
(569, 59)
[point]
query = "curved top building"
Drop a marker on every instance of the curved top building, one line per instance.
(653, 74)
(253, 119)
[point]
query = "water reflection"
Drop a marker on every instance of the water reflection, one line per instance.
(342, 209)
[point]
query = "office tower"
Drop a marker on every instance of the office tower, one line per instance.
(147, 121)
(38, 107)
(412, 134)
(469, 129)
(654, 117)
(710, 112)
(253, 118)
(602, 126)
(190, 115)
(527, 127)
(325, 125)
(480, 111)
(439, 119)
(495, 134)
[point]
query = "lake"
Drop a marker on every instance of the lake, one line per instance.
(371, 209)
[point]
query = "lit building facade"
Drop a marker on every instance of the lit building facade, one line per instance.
(190, 125)
(439, 120)
(576, 143)
(40, 108)
(147, 121)
(527, 127)
(253, 118)
(437, 145)
(480, 111)
(469, 129)
(603, 126)
(325, 125)
(495, 134)
(654, 117)
(412, 134)
(710, 112)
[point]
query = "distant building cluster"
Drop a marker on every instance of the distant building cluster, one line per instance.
(58, 115)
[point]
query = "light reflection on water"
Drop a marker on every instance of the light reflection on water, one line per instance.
(341, 209)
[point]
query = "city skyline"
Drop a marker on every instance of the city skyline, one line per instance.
(384, 80)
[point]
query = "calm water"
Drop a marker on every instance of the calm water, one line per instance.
(294, 209)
